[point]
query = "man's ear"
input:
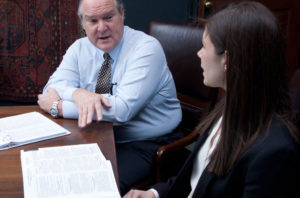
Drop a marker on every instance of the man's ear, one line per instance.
(82, 23)
(123, 13)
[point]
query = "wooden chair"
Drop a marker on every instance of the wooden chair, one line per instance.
(181, 42)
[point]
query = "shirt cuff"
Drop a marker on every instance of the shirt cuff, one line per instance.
(67, 94)
(155, 192)
(69, 110)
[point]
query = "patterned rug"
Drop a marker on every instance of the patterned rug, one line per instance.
(34, 35)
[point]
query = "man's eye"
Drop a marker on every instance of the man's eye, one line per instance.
(93, 20)
(108, 17)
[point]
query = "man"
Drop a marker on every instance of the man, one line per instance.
(141, 99)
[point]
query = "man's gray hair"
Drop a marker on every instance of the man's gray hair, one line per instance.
(119, 3)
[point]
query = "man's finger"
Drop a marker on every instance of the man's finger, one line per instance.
(83, 116)
(79, 115)
(90, 114)
(98, 108)
(105, 102)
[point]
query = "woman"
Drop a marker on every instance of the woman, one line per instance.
(248, 146)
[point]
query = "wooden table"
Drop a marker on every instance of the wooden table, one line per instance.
(11, 182)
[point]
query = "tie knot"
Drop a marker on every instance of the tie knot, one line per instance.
(106, 56)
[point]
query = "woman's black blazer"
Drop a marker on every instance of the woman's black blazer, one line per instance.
(269, 168)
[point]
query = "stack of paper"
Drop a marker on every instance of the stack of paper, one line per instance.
(27, 128)
(74, 171)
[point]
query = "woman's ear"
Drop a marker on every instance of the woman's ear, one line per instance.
(224, 60)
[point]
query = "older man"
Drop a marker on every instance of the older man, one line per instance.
(120, 75)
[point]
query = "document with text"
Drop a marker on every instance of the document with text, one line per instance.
(74, 171)
(28, 128)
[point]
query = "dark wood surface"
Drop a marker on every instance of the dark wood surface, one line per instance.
(11, 181)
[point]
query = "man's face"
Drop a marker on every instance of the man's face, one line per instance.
(103, 23)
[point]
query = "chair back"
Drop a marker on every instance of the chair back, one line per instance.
(181, 42)
(294, 87)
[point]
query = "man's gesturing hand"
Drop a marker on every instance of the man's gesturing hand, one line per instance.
(87, 103)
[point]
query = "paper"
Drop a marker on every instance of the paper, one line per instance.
(27, 128)
(74, 171)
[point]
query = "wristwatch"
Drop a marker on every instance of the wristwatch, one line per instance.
(54, 109)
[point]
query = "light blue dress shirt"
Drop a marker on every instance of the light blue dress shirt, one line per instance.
(144, 102)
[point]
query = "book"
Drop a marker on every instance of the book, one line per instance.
(73, 171)
(28, 128)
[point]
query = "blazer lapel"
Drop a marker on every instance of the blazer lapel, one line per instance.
(203, 183)
(181, 185)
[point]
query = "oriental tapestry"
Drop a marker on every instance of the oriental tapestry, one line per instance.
(34, 35)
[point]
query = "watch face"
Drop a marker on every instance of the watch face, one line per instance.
(53, 112)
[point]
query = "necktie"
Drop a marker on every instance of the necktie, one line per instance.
(103, 80)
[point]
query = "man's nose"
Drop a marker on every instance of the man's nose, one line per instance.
(101, 26)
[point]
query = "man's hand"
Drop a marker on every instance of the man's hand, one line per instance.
(46, 100)
(139, 194)
(87, 103)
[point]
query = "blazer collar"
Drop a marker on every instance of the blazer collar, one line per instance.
(182, 182)
(203, 183)
(206, 176)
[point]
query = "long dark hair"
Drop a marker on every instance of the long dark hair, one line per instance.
(256, 88)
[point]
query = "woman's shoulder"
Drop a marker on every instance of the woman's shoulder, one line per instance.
(279, 136)
(275, 140)
(273, 160)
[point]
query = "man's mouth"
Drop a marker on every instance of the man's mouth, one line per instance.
(103, 37)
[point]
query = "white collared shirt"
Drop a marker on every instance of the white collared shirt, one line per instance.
(203, 157)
